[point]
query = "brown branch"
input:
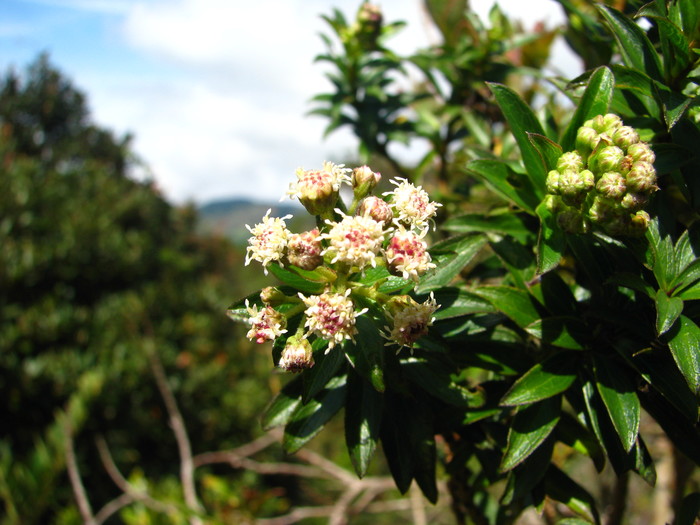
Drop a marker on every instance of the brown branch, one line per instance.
(177, 424)
(74, 476)
(126, 487)
(113, 506)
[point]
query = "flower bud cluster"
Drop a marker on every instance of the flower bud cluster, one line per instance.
(373, 232)
(606, 182)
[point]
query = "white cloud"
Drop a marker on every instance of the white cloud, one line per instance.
(229, 118)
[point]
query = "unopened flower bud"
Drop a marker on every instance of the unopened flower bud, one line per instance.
(642, 177)
(573, 185)
(297, 355)
(272, 296)
(641, 152)
(625, 136)
(552, 182)
(587, 140)
(377, 209)
(570, 160)
(611, 185)
(606, 159)
(639, 222)
(304, 250)
(369, 23)
(601, 210)
(364, 180)
(634, 201)
(610, 123)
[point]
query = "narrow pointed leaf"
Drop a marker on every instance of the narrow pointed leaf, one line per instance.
(551, 241)
(308, 420)
(450, 257)
(546, 379)
(668, 309)
(531, 426)
(637, 51)
(505, 181)
(363, 415)
(522, 121)
(561, 487)
(548, 150)
(620, 399)
(684, 342)
(595, 100)
(281, 408)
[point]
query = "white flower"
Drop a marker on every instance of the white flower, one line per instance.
(318, 190)
(412, 205)
(407, 254)
(269, 240)
(331, 316)
(354, 241)
(410, 320)
(266, 324)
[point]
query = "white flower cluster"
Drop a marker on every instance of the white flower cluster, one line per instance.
(388, 232)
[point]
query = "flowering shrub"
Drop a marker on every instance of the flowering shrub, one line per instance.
(557, 312)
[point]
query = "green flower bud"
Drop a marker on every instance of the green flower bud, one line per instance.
(634, 201)
(552, 182)
(611, 185)
(272, 296)
(570, 160)
(587, 140)
(625, 136)
(642, 177)
(364, 180)
(639, 222)
(606, 159)
(573, 186)
(553, 203)
(610, 123)
(641, 152)
(602, 210)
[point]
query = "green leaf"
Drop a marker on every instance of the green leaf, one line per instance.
(326, 366)
(668, 309)
(501, 178)
(504, 224)
(563, 331)
(551, 241)
(594, 101)
(548, 150)
(636, 49)
(450, 257)
(283, 405)
(363, 415)
(684, 342)
(308, 420)
(455, 302)
(561, 487)
(525, 478)
(522, 121)
(435, 379)
(295, 280)
(571, 432)
(366, 354)
(531, 426)
(544, 380)
(663, 255)
(516, 304)
(620, 399)
(675, 47)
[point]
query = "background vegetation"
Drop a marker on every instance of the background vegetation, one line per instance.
(562, 375)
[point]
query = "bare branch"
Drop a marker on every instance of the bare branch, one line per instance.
(126, 487)
(113, 506)
(74, 476)
(177, 424)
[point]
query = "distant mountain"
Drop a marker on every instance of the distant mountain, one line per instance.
(228, 217)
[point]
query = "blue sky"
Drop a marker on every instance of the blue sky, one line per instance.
(215, 91)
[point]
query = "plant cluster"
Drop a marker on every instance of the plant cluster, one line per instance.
(567, 272)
